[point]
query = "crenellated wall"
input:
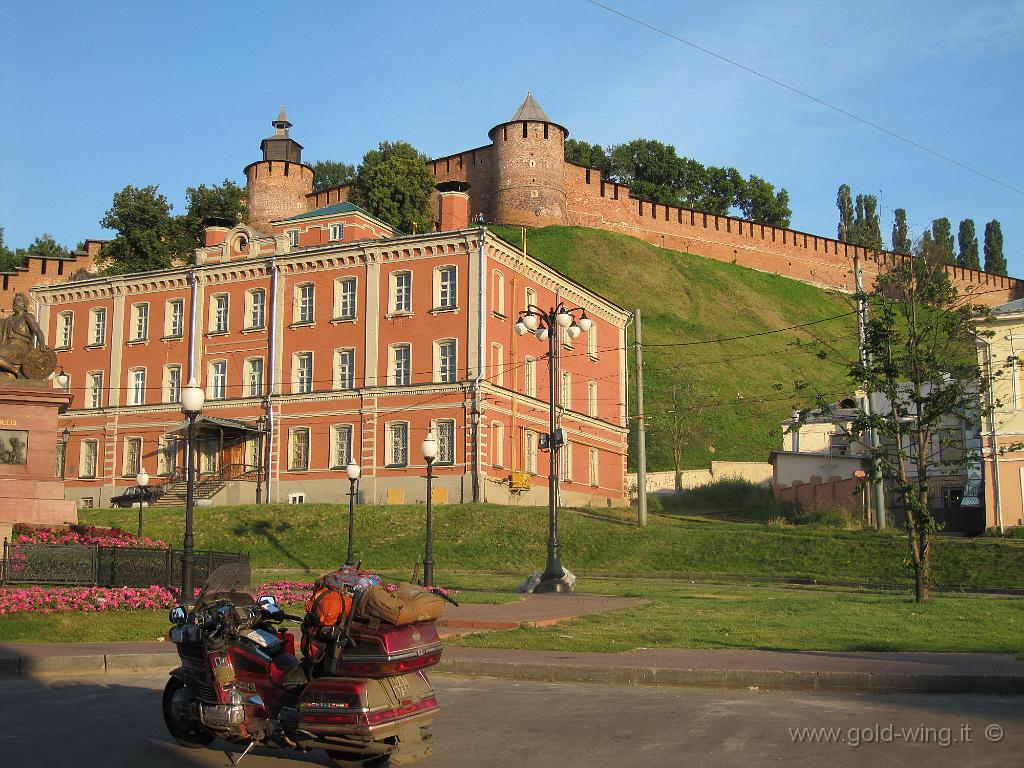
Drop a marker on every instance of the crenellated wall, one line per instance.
(42, 271)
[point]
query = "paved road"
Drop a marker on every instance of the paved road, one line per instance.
(115, 721)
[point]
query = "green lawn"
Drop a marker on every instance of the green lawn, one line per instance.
(737, 391)
(513, 540)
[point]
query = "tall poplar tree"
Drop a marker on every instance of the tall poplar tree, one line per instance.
(995, 262)
(867, 229)
(900, 234)
(968, 240)
(845, 204)
(942, 234)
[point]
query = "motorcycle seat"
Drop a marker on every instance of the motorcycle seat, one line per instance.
(286, 672)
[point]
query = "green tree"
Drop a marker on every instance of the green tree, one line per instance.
(844, 202)
(719, 190)
(687, 396)
(8, 260)
(225, 201)
(866, 228)
(761, 203)
(995, 262)
(589, 155)
(900, 233)
(330, 173)
(968, 242)
(942, 234)
(650, 168)
(394, 184)
(920, 338)
(148, 237)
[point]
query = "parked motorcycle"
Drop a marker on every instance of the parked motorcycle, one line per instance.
(368, 702)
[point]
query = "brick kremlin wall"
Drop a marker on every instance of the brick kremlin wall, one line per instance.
(41, 271)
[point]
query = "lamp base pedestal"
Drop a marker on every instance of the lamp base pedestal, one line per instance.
(553, 585)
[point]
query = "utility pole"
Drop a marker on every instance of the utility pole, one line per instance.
(641, 436)
(878, 491)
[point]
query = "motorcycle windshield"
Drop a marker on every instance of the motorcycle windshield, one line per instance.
(229, 582)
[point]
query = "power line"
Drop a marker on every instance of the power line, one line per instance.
(809, 96)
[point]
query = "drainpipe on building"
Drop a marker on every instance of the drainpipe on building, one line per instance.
(272, 328)
(194, 287)
(481, 329)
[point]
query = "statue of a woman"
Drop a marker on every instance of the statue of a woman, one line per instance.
(18, 333)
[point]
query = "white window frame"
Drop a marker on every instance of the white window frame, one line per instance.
(140, 321)
(345, 288)
(94, 389)
(220, 312)
(65, 330)
(497, 445)
(293, 238)
(440, 425)
(255, 311)
(594, 467)
(339, 431)
(174, 318)
(592, 398)
(498, 290)
(250, 368)
(531, 298)
(395, 376)
(127, 469)
(400, 298)
(337, 231)
(345, 379)
(498, 364)
(446, 370)
(88, 454)
(172, 388)
(397, 453)
(217, 380)
(167, 463)
(592, 342)
(446, 291)
(530, 451)
(302, 374)
(97, 326)
(293, 435)
(304, 304)
(137, 393)
(565, 462)
(565, 392)
(530, 376)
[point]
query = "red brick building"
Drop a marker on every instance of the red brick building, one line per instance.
(350, 341)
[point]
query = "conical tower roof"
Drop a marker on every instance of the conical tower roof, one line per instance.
(530, 110)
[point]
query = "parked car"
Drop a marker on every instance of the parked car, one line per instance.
(133, 494)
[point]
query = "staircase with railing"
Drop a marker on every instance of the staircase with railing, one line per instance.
(207, 485)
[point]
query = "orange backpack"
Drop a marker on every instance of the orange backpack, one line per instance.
(326, 609)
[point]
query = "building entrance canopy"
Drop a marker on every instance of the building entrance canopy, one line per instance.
(233, 427)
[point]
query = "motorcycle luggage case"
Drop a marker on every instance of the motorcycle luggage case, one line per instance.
(384, 650)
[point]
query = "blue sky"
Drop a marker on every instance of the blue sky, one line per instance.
(178, 94)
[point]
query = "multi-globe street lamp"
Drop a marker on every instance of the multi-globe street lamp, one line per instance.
(544, 324)
(141, 481)
(352, 470)
(429, 448)
(192, 400)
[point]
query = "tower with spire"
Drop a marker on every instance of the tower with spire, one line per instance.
(528, 171)
(277, 184)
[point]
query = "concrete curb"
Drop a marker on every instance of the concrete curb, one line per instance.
(860, 682)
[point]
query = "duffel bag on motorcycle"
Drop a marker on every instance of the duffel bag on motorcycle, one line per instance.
(406, 605)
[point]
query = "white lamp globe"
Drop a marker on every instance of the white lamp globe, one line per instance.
(353, 470)
(563, 318)
(63, 379)
(531, 321)
(573, 331)
(429, 447)
(521, 329)
(586, 323)
(192, 397)
(142, 479)
(541, 333)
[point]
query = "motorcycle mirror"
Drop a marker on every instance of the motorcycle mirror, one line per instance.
(177, 615)
(266, 600)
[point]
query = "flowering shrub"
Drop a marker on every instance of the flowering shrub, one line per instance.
(286, 592)
(84, 599)
(87, 535)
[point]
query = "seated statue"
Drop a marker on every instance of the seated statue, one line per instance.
(19, 332)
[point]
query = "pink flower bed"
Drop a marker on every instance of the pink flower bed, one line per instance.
(87, 535)
(286, 592)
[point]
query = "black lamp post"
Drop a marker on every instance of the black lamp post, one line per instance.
(429, 448)
(192, 401)
(544, 325)
(65, 434)
(141, 480)
(261, 424)
(352, 470)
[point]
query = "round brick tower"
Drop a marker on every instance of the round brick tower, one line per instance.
(279, 183)
(529, 168)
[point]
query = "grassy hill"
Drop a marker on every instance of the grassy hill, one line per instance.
(732, 394)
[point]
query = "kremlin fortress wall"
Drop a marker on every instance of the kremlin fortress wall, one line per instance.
(522, 178)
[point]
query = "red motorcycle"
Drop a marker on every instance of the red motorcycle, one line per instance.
(367, 702)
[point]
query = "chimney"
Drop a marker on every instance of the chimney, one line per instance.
(453, 205)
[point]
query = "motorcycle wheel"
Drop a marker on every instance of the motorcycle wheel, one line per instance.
(185, 729)
(345, 759)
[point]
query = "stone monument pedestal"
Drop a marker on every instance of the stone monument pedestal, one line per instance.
(31, 490)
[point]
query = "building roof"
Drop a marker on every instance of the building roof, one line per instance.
(329, 210)
(530, 110)
(1016, 305)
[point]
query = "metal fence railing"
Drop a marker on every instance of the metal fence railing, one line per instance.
(85, 565)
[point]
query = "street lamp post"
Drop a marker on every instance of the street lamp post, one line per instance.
(544, 325)
(65, 434)
(429, 448)
(261, 423)
(192, 400)
(141, 480)
(352, 470)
